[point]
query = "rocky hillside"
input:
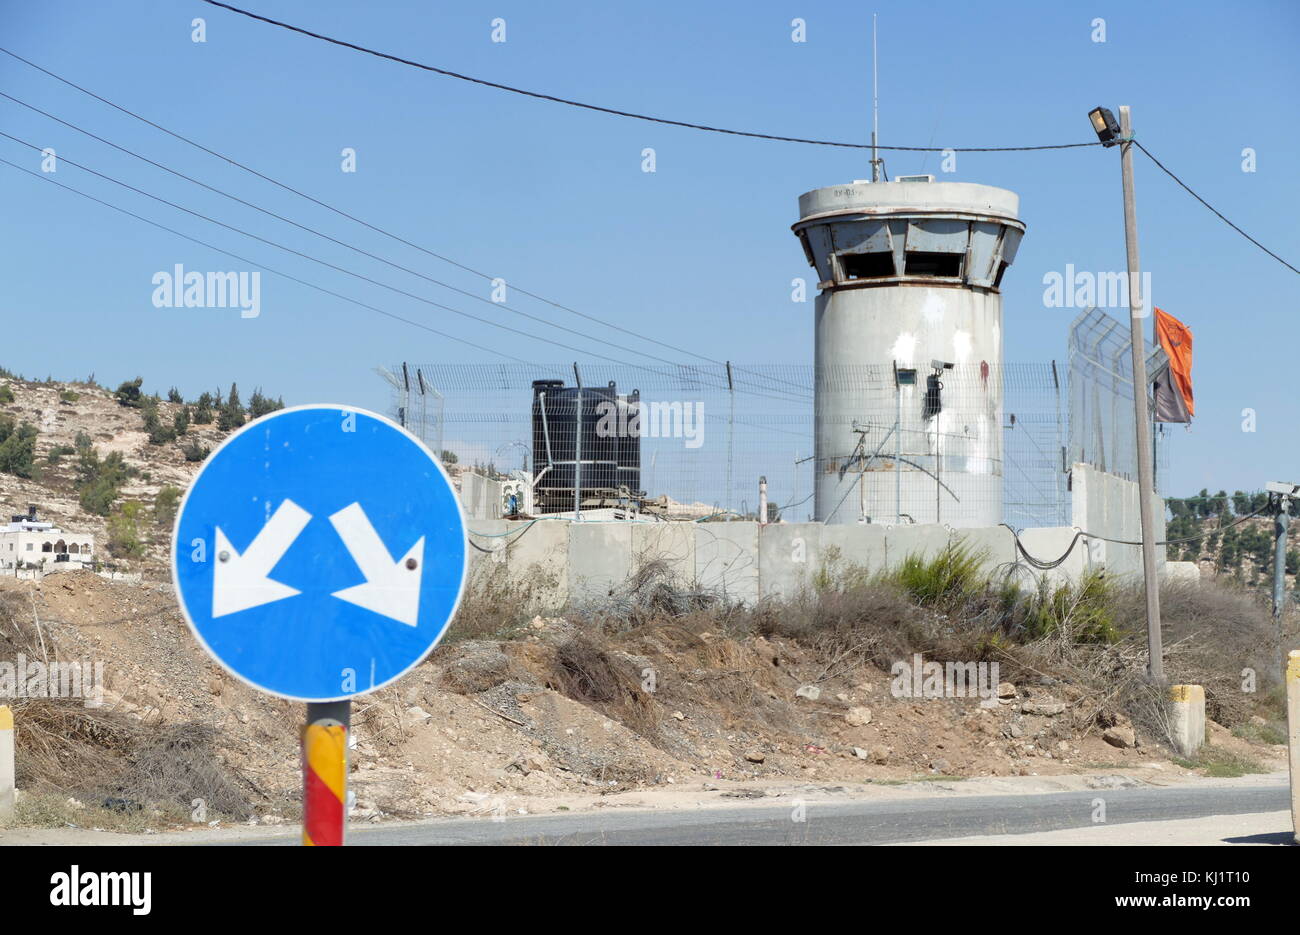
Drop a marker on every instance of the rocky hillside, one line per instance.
(109, 462)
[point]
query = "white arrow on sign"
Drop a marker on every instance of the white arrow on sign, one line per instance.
(391, 588)
(240, 581)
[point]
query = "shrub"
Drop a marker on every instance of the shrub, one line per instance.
(947, 579)
(69, 396)
(181, 422)
(174, 396)
(57, 453)
(124, 532)
(194, 450)
(165, 503)
(6, 393)
(17, 448)
(128, 393)
(99, 483)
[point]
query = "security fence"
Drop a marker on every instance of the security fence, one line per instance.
(695, 439)
(1101, 395)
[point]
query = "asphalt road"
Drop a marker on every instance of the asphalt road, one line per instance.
(897, 821)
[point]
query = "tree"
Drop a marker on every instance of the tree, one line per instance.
(165, 503)
(449, 457)
(17, 448)
(128, 393)
(231, 415)
(99, 482)
(174, 396)
(203, 414)
(124, 532)
(181, 422)
(260, 405)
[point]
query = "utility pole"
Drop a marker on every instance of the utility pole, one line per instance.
(1281, 495)
(1146, 472)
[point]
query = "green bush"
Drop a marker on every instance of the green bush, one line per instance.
(128, 393)
(17, 448)
(174, 396)
(69, 396)
(6, 393)
(946, 580)
(57, 453)
(194, 450)
(164, 505)
(99, 482)
(124, 532)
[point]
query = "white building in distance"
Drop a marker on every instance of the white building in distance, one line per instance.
(27, 540)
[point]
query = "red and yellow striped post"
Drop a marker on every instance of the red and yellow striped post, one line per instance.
(325, 773)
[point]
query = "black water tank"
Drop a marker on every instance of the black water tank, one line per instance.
(610, 450)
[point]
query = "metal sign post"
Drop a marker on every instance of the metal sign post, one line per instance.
(325, 773)
(320, 553)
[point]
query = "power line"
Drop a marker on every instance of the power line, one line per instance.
(1044, 565)
(350, 217)
(242, 259)
(352, 273)
(311, 230)
(1189, 191)
(626, 113)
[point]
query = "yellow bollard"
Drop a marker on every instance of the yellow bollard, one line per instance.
(7, 773)
(1187, 717)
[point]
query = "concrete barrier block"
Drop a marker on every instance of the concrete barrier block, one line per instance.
(671, 543)
(538, 562)
(726, 559)
(1049, 543)
(855, 547)
(600, 559)
(1187, 718)
(927, 542)
(788, 556)
(996, 545)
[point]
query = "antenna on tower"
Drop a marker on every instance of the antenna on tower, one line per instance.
(876, 161)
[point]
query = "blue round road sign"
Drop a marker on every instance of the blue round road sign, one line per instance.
(319, 553)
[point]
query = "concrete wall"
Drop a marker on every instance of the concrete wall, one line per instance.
(1106, 505)
(558, 561)
(551, 562)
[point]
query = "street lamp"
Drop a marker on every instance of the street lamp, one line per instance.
(1103, 121)
(1110, 133)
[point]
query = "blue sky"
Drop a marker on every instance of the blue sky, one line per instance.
(553, 199)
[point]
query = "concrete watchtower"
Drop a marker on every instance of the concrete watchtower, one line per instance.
(908, 361)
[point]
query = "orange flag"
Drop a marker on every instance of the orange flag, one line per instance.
(1173, 391)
